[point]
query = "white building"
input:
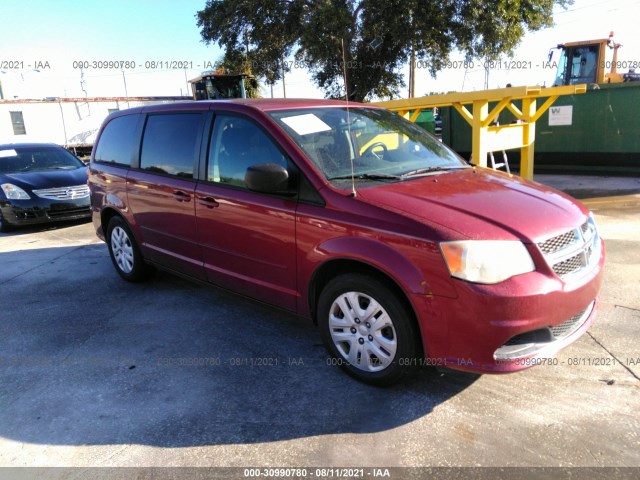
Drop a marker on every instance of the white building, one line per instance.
(70, 122)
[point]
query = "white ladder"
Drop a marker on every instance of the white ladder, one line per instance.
(505, 162)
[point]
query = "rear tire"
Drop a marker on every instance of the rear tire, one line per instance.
(124, 252)
(367, 329)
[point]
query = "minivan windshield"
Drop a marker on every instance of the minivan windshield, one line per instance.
(380, 145)
(17, 159)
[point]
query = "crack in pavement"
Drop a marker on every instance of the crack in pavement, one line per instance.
(627, 308)
(626, 367)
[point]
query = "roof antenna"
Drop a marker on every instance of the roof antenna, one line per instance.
(346, 93)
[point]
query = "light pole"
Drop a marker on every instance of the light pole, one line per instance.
(124, 80)
(284, 85)
(186, 82)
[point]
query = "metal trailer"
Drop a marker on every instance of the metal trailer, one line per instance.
(595, 132)
(598, 132)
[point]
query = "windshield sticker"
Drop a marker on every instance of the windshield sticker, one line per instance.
(306, 124)
(8, 153)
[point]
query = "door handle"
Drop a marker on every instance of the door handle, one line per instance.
(208, 202)
(181, 196)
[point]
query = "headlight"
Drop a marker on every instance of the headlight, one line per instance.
(14, 193)
(486, 261)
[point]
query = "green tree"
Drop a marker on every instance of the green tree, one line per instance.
(377, 36)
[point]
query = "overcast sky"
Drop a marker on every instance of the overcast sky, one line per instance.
(50, 36)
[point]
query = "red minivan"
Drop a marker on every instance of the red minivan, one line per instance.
(402, 253)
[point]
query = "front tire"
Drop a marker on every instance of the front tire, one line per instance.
(367, 329)
(124, 252)
(4, 226)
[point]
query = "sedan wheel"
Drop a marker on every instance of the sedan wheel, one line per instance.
(4, 226)
(367, 329)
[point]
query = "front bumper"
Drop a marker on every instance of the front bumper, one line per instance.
(505, 327)
(38, 210)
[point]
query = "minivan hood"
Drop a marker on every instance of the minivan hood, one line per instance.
(481, 204)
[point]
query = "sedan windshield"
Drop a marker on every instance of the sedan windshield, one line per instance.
(376, 144)
(30, 159)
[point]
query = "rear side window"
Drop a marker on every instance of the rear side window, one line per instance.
(116, 142)
(171, 143)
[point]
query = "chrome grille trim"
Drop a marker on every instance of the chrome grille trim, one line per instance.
(64, 193)
(584, 227)
(573, 253)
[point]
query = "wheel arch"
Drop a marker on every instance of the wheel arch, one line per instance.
(344, 265)
(348, 254)
(105, 217)
(341, 266)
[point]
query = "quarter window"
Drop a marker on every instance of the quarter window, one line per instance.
(116, 141)
(170, 144)
(236, 145)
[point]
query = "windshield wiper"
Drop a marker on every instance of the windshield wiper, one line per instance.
(428, 170)
(367, 176)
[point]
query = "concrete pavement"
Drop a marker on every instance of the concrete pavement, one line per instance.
(98, 372)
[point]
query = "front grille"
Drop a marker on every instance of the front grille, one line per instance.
(558, 243)
(574, 252)
(568, 266)
(64, 193)
(567, 328)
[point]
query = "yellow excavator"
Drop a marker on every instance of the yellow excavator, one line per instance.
(586, 62)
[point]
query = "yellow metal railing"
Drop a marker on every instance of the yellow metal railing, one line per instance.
(485, 137)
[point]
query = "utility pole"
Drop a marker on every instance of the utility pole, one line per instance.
(284, 86)
(412, 72)
(412, 63)
(126, 94)
(486, 75)
(247, 68)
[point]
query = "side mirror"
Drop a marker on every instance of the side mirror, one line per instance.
(268, 178)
